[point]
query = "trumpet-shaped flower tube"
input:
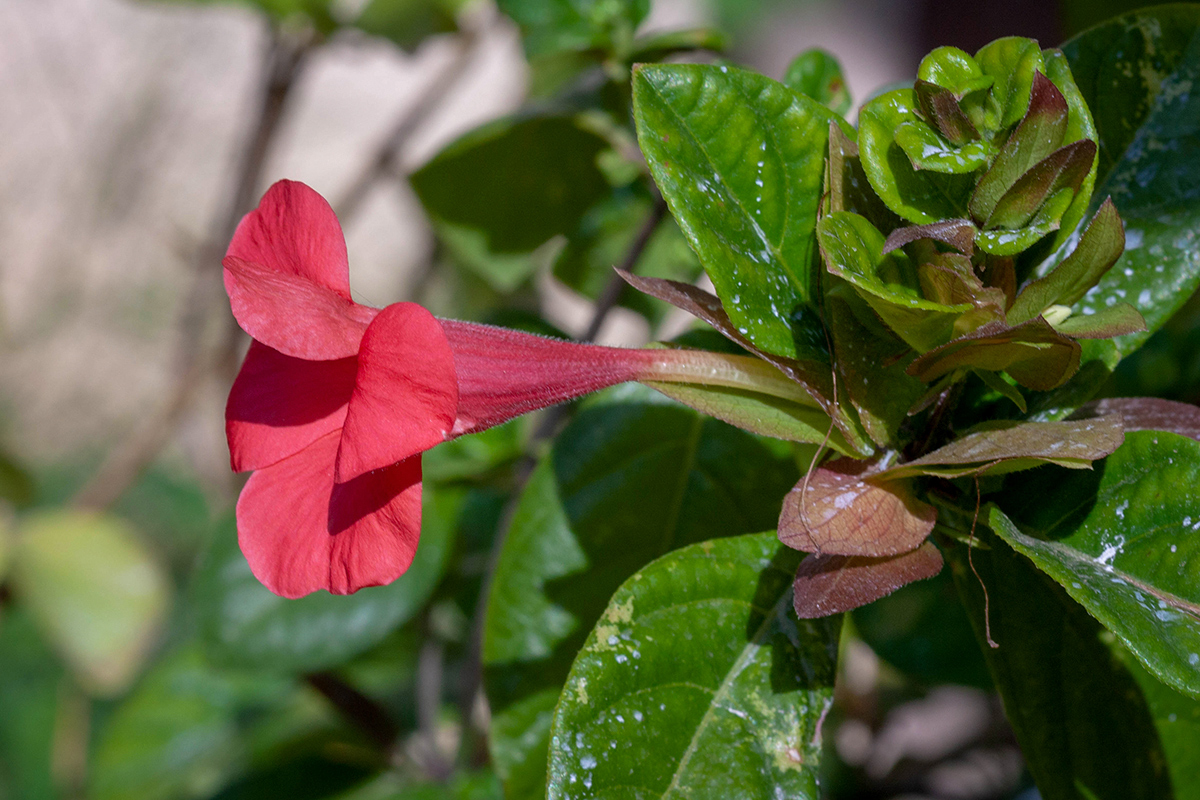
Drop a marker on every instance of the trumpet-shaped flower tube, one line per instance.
(336, 401)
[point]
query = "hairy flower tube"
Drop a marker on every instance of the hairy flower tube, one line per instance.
(336, 401)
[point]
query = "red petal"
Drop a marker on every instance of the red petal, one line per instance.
(295, 232)
(302, 532)
(503, 373)
(292, 314)
(279, 405)
(405, 396)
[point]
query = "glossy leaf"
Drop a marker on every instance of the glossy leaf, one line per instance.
(1149, 414)
(1065, 168)
(551, 25)
(1033, 353)
(625, 483)
(1000, 242)
(698, 683)
(1070, 444)
(1115, 320)
(951, 69)
(832, 584)
(1122, 541)
(246, 625)
(817, 74)
(1177, 718)
(957, 233)
(852, 249)
(1011, 63)
(847, 185)
(841, 510)
(97, 593)
(532, 178)
(1081, 722)
(740, 160)
(941, 110)
(1136, 74)
(919, 197)
(1040, 133)
(927, 150)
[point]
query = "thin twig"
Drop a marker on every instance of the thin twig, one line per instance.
(987, 605)
(472, 674)
(283, 63)
(384, 161)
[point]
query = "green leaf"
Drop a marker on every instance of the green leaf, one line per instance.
(245, 625)
(699, 683)
(1011, 63)
(917, 196)
(97, 593)
(1000, 242)
(529, 178)
(1122, 541)
(657, 46)
(503, 272)
(852, 249)
(1177, 718)
(1082, 724)
(1136, 74)
(30, 680)
(16, 486)
(740, 160)
(952, 69)
(929, 151)
(817, 74)
(1106, 323)
(625, 483)
(176, 734)
(550, 25)
(407, 22)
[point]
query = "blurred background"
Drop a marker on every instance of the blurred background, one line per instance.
(134, 136)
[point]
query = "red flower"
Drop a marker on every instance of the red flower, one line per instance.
(336, 401)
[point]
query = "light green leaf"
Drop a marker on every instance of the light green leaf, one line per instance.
(245, 625)
(852, 250)
(1137, 73)
(1082, 724)
(625, 483)
(920, 197)
(98, 594)
(1011, 63)
(740, 160)
(817, 74)
(698, 682)
(1122, 540)
(519, 181)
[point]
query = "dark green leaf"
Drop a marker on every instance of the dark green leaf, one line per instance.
(817, 74)
(919, 197)
(697, 682)
(1177, 718)
(30, 681)
(1136, 73)
(923, 631)
(407, 22)
(1122, 541)
(530, 179)
(245, 625)
(16, 486)
(550, 25)
(625, 483)
(1081, 722)
(740, 161)
(657, 46)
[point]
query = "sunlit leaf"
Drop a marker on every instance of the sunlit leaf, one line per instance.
(832, 584)
(625, 483)
(1149, 414)
(1065, 168)
(740, 160)
(927, 150)
(697, 681)
(98, 594)
(1033, 353)
(840, 510)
